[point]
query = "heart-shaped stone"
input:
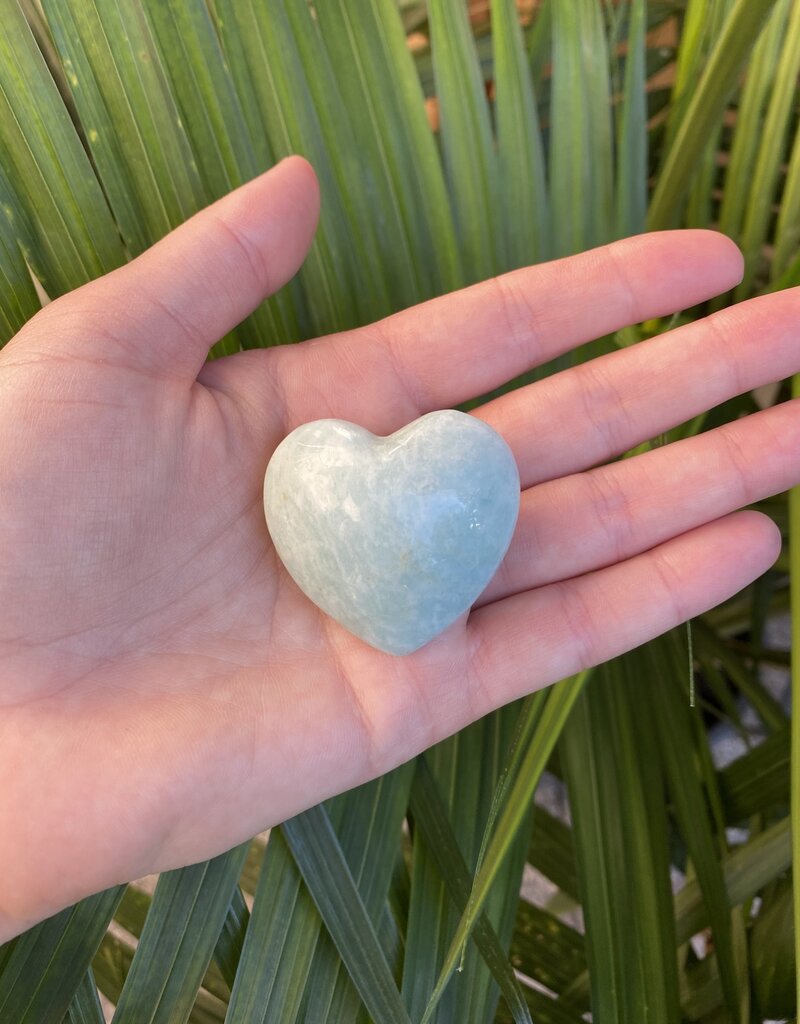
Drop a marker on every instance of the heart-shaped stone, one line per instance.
(394, 537)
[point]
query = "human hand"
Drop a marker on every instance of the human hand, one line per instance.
(160, 670)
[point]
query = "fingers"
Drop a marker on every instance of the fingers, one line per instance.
(453, 348)
(527, 641)
(583, 522)
(592, 412)
(163, 311)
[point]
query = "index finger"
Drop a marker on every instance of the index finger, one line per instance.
(456, 347)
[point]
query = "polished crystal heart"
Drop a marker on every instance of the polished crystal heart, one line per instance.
(394, 537)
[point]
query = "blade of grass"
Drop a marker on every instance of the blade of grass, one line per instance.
(319, 856)
(705, 108)
(545, 721)
(523, 191)
(73, 237)
(432, 821)
(466, 135)
(47, 964)
(178, 940)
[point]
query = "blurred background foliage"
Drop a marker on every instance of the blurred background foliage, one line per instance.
(605, 847)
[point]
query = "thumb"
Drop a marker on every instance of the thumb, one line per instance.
(163, 311)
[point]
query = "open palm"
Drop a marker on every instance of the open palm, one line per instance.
(162, 672)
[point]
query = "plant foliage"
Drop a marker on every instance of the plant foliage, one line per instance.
(451, 144)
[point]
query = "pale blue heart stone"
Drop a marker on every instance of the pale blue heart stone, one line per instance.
(394, 537)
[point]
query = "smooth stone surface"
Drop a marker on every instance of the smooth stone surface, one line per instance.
(394, 537)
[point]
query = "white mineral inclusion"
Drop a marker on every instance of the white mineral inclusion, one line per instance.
(394, 537)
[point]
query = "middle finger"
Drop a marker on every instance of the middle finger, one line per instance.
(599, 409)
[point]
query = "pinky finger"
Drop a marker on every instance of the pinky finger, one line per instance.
(527, 641)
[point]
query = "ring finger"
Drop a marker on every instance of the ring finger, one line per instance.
(586, 521)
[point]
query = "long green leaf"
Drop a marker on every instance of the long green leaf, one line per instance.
(747, 870)
(279, 943)
(131, 915)
(468, 770)
(85, 1007)
(367, 821)
(546, 713)
(546, 949)
(272, 78)
(223, 149)
(228, 950)
(631, 164)
(470, 160)
(771, 154)
(787, 233)
(685, 787)
(705, 108)
(398, 166)
(523, 188)
(68, 236)
(431, 819)
(111, 964)
(619, 827)
(749, 120)
(18, 299)
(552, 852)
(48, 964)
(319, 856)
(178, 940)
(581, 169)
(758, 781)
(130, 121)
(700, 204)
(422, 159)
